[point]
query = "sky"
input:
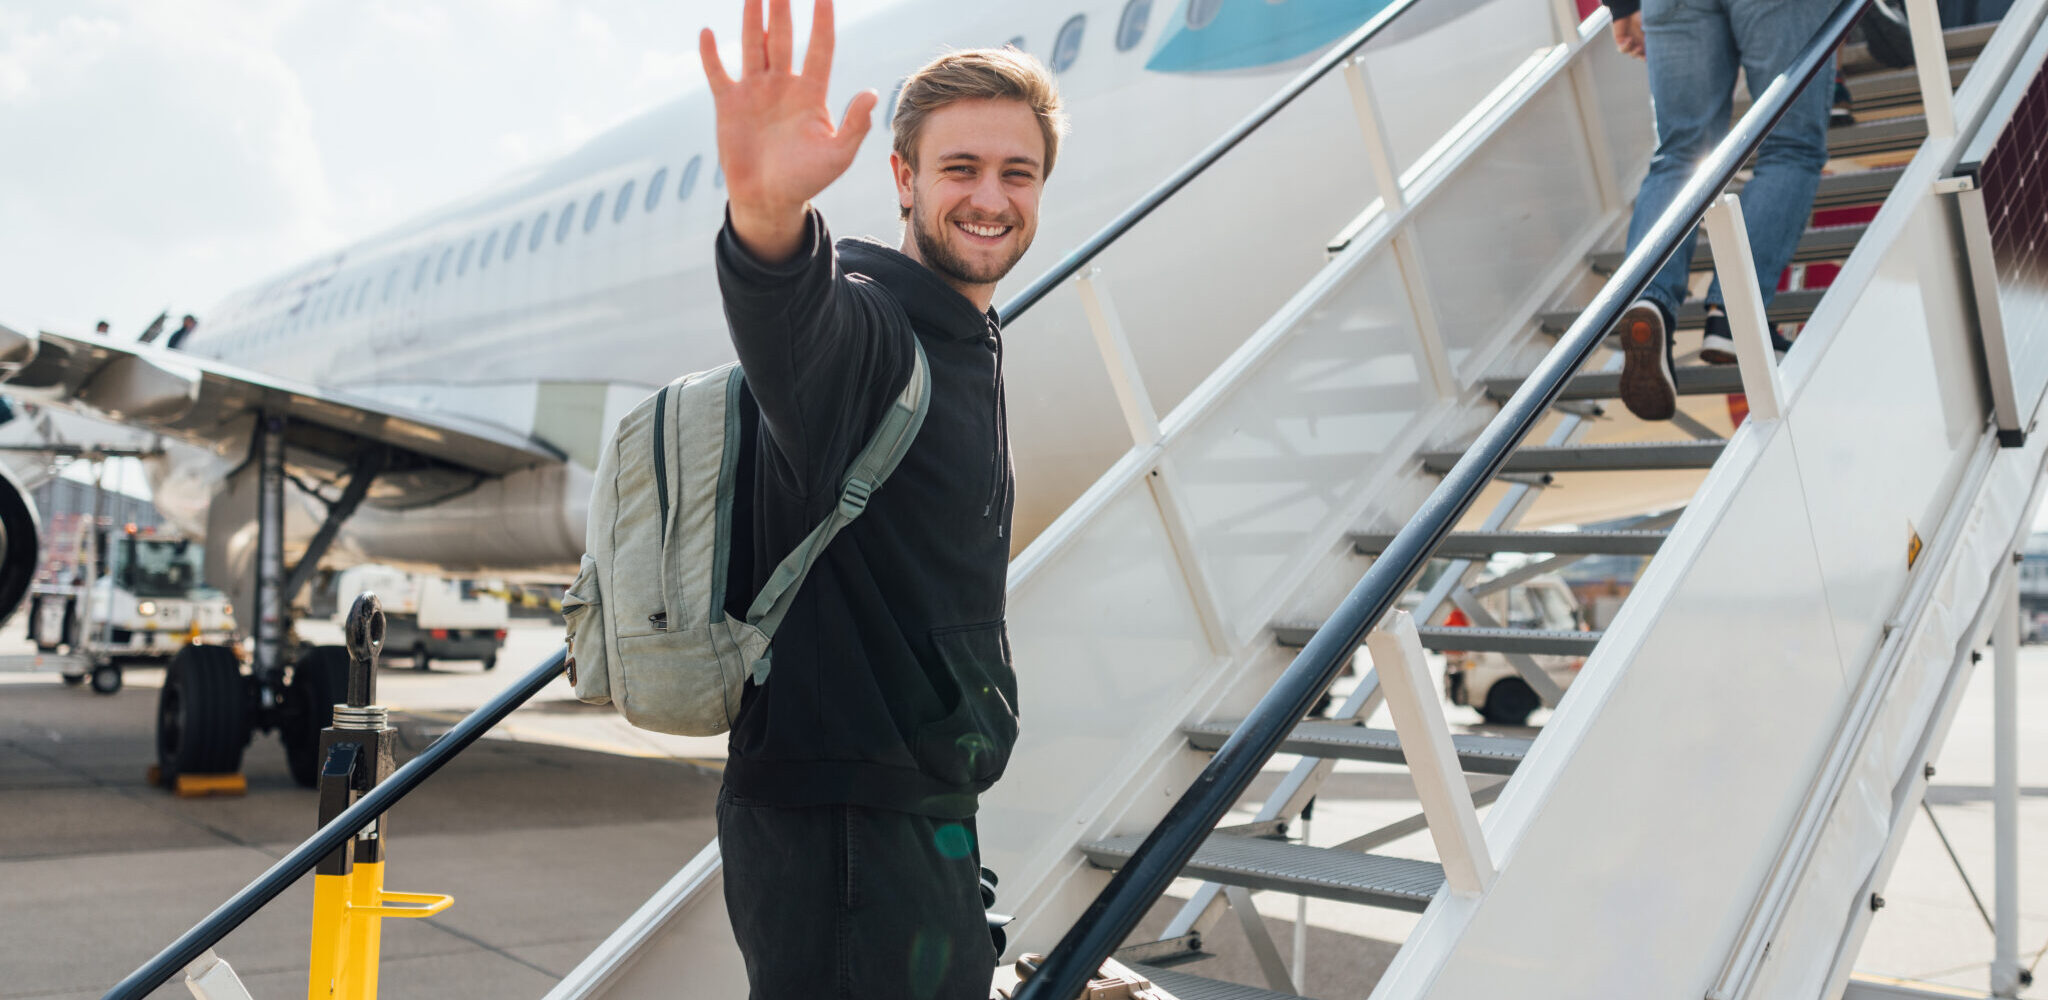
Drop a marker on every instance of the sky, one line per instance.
(155, 156)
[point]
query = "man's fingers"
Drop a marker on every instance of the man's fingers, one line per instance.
(781, 36)
(818, 54)
(714, 67)
(860, 115)
(753, 50)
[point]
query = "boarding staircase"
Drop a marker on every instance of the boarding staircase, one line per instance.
(1819, 573)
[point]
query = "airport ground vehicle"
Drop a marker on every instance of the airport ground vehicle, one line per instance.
(144, 603)
(430, 618)
(1487, 680)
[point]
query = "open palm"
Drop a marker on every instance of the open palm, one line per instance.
(776, 139)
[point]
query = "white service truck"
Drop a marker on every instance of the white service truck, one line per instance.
(428, 618)
(144, 602)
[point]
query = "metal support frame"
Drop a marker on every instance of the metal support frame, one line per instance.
(1256, 932)
(1121, 364)
(1525, 664)
(210, 977)
(369, 463)
(1426, 742)
(1379, 151)
(2005, 783)
(1742, 296)
(1586, 101)
(270, 573)
(1413, 824)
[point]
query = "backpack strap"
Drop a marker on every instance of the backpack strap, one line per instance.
(885, 448)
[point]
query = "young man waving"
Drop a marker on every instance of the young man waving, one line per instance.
(847, 817)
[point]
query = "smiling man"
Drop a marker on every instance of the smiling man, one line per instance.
(847, 816)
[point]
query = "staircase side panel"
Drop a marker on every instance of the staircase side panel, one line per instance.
(1627, 842)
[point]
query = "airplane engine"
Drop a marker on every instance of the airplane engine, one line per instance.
(20, 543)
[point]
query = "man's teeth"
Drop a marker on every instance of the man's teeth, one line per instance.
(980, 230)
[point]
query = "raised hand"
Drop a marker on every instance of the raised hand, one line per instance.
(776, 140)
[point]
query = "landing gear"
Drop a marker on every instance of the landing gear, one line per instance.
(1509, 702)
(73, 680)
(202, 714)
(106, 678)
(209, 709)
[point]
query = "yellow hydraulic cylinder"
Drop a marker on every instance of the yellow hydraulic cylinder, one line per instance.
(349, 901)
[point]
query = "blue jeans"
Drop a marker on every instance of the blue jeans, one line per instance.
(1694, 48)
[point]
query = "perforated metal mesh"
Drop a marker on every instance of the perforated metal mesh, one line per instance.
(1480, 754)
(1322, 872)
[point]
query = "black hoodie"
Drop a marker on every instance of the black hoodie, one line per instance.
(891, 684)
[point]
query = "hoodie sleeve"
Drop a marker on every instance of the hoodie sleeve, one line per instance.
(822, 351)
(1623, 8)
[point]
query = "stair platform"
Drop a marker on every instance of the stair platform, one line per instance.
(1485, 544)
(1625, 457)
(1477, 753)
(1322, 872)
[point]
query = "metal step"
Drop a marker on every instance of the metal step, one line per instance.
(1536, 642)
(1478, 754)
(1962, 43)
(1322, 872)
(1824, 243)
(1486, 544)
(1897, 88)
(1626, 457)
(1786, 307)
(1692, 380)
(1185, 986)
(1860, 187)
(1886, 135)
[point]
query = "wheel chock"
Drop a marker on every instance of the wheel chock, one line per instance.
(194, 786)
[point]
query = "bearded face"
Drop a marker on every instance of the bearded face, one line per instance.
(973, 195)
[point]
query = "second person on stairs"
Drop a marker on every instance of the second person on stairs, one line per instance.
(1694, 49)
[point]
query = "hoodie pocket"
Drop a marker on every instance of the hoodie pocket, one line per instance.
(971, 743)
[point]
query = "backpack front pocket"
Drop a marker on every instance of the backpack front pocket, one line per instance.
(583, 610)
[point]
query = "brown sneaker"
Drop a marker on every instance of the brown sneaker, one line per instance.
(1647, 388)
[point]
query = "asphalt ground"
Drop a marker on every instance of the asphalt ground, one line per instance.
(555, 828)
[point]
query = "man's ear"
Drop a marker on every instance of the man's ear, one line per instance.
(903, 173)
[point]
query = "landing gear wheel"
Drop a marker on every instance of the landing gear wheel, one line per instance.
(106, 678)
(1509, 703)
(491, 662)
(73, 680)
(319, 682)
(202, 715)
(420, 659)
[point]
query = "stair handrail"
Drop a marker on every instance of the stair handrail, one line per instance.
(1116, 911)
(1073, 262)
(330, 838)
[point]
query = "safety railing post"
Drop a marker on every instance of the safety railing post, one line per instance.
(1930, 61)
(349, 901)
(1743, 298)
(2005, 781)
(1426, 744)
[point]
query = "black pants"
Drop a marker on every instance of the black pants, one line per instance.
(852, 903)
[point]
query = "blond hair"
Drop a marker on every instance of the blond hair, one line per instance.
(975, 74)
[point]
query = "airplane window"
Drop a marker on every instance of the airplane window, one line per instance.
(419, 274)
(718, 178)
(540, 231)
(441, 270)
(625, 202)
(655, 187)
(483, 260)
(689, 177)
(1201, 12)
(1067, 46)
(1130, 28)
(468, 249)
(889, 110)
(512, 237)
(1016, 43)
(568, 219)
(596, 208)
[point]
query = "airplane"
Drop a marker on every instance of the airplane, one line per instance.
(434, 396)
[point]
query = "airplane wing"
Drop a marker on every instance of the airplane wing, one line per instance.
(213, 405)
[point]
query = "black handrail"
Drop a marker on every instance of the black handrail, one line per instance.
(1113, 914)
(288, 869)
(1072, 263)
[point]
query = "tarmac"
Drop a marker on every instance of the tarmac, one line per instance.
(552, 830)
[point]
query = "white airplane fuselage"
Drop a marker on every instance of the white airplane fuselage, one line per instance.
(561, 296)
